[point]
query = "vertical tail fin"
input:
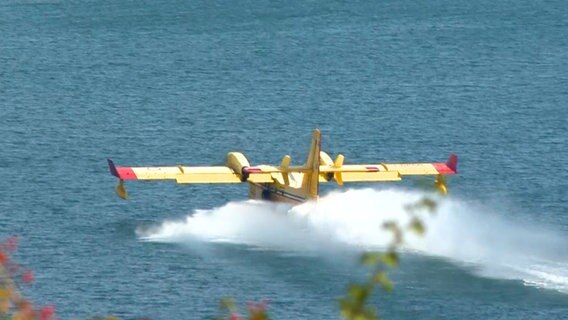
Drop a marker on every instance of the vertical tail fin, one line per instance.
(310, 184)
(453, 163)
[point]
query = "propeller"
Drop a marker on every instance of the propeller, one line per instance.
(337, 164)
(284, 166)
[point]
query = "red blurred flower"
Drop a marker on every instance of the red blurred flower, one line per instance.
(28, 276)
(234, 316)
(3, 257)
(47, 312)
(12, 243)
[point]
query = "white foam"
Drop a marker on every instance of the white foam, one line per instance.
(353, 220)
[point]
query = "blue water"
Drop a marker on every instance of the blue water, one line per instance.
(170, 82)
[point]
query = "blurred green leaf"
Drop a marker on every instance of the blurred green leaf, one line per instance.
(346, 307)
(397, 233)
(358, 292)
(383, 279)
(417, 226)
(370, 313)
(390, 258)
(370, 258)
(428, 204)
(352, 311)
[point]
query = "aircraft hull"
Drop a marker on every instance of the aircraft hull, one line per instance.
(266, 191)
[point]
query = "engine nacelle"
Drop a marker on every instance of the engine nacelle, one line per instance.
(325, 160)
(237, 162)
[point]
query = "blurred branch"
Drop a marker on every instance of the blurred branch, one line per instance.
(354, 305)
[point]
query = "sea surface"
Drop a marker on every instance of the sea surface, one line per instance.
(183, 82)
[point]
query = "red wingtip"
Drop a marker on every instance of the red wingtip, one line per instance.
(453, 162)
(123, 173)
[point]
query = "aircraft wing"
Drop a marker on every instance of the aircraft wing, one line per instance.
(187, 175)
(180, 174)
(421, 169)
(357, 173)
(384, 171)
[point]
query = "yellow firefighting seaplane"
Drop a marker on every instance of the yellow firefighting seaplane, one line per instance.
(287, 183)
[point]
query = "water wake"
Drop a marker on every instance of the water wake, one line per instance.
(495, 246)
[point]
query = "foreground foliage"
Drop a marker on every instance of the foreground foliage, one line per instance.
(13, 305)
(355, 305)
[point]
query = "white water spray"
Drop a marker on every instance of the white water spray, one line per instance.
(354, 219)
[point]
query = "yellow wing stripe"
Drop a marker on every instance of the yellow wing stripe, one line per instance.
(266, 173)
(405, 169)
(365, 172)
(187, 174)
(199, 174)
(156, 173)
(381, 172)
(370, 176)
(208, 175)
(411, 169)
